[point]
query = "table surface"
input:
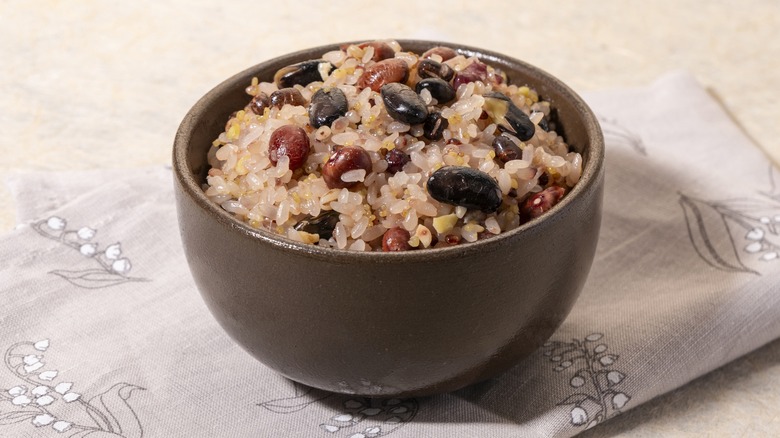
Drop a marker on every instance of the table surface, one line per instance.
(104, 85)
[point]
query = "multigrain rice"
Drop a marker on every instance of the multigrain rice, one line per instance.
(259, 186)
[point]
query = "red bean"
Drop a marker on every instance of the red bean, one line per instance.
(445, 53)
(396, 239)
(452, 239)
(291, 141)
(384, 72)
(259, 103)
(396, 160)
(381, 50)
(506, 149)
(342, 161)
(539, 203)
(289, 96)
(476, 71)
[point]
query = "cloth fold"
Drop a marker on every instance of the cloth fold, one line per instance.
(104, 331)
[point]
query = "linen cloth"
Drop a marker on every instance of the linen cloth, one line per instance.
(104, 333)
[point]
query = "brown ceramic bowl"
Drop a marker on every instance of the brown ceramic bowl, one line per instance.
(389, 324)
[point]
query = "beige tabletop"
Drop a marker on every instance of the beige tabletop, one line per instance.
(104, 85)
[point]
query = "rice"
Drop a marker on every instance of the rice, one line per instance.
(390, 158)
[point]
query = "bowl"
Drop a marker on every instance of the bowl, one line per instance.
(381, 324)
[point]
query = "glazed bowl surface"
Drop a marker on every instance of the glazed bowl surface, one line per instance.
(382, 324)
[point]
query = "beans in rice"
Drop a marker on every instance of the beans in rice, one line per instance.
(374, 148)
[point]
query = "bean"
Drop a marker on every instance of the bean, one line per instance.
(291, 141)
(445, 53)
(323, 224)
(396, 160)
(541, 202)
(287, 96)
(343, 160)
(381, 50)
(434, 126)
(428, 68)
(403, 104)
(326, 106)
(302, 73)
(452, 239)
(550, 122)
(440, 89)
(508, 116)
(476, 71)
(543, 179)
(384, 72)
(259, 103)
(506, 149)
(396, 239)
(466, 187)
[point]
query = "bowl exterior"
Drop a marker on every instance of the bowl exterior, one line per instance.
(405, 324)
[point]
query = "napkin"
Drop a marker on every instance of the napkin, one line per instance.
(104, 333)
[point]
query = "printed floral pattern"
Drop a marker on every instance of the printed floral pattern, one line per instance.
(42, 401)
(617, 133)
(728, 234)
(358, 417)
(114, 268)
(594, 379)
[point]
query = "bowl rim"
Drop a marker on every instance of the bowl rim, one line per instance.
(591, 171)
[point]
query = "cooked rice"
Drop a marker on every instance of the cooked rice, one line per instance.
(243, 180)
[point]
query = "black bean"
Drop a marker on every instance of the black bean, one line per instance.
(440, 89)
(506, 149)
(544, 125)
(465, 187)
(434, 126)
(302, 73)
(508, 116)
(323, 224)
(551, 122)
(403, 104)
(428, 68)
(326, 106)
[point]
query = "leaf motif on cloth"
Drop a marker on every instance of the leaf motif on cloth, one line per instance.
(93, 278)
(731, 233)
(12, 417)
(52, 404)
(353, 416)
(116, 410)
(615, 132)
(301, 400)
(592, 375)
(113, 269)
(705, 226)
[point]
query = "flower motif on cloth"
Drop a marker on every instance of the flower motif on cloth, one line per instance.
(41, 399)
(355, 417)
(592, 377)
(736, 235)
(113, 269)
